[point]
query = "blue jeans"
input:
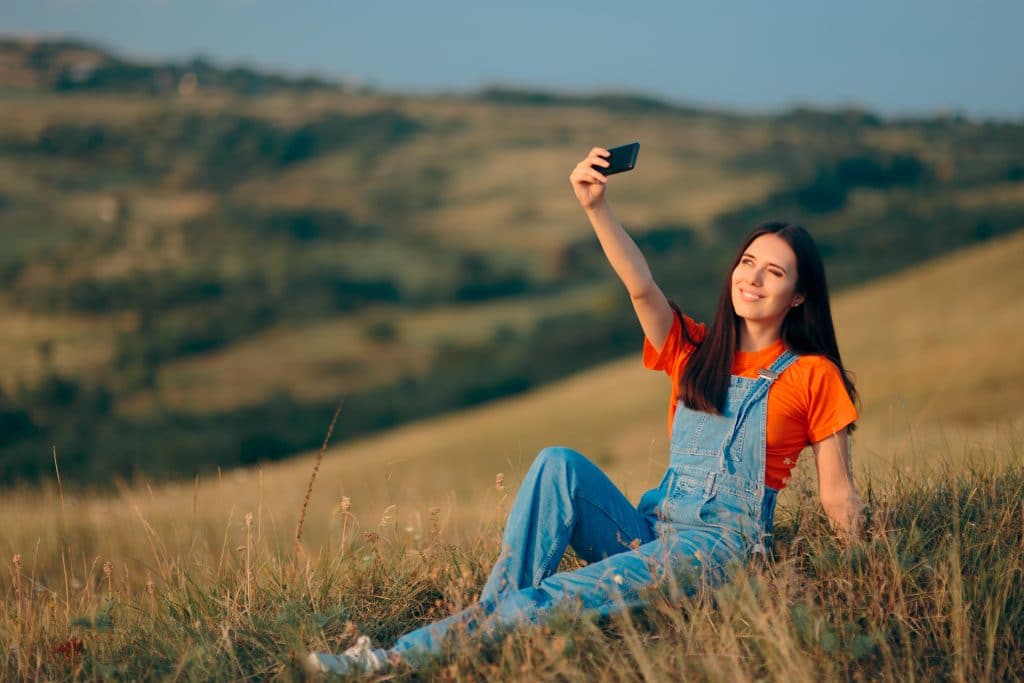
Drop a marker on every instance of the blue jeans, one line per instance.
(565, 500)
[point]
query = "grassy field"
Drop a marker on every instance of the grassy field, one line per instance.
(205, 579)
(935, 593)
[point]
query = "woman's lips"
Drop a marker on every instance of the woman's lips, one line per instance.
(747, 296)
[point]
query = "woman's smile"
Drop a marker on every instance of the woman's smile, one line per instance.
(750, 296)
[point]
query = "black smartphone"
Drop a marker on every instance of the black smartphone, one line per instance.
(620, 159)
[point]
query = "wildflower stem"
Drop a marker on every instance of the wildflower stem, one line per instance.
(312, 477)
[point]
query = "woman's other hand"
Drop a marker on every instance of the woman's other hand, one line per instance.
(587, 182)
(836, 490)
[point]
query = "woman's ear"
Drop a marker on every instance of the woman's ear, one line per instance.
(797, 300)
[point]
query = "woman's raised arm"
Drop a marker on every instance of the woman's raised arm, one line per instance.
(650, 304)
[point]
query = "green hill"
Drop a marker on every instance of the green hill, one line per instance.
(197, 263)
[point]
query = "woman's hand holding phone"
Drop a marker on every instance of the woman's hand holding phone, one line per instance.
(591, 174)
(587, 182)
(588, 179)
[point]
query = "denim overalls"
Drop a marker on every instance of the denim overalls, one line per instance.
(711, 510)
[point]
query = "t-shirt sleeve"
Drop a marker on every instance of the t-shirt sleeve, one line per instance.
(829, 408)
(675, 347)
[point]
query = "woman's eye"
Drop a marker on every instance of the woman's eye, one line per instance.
(775, 273)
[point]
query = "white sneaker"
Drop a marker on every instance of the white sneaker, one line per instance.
(360, 658)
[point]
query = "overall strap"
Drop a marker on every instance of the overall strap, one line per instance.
(784, 359)
(765, 377)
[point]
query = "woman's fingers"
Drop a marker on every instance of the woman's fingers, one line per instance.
(584, 172)
(596, 156)
(588, 165)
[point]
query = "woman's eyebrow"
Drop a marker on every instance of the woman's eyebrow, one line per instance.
(747, 253)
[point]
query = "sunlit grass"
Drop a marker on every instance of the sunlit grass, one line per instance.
(136, 586)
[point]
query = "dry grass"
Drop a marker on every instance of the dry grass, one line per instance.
(934, 348)
(202, 580)
(934, 593)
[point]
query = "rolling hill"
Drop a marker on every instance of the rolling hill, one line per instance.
(196, 263)
(932, 348)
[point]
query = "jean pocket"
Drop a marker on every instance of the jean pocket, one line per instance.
(685, 500)
(651, 502)
(730, 512)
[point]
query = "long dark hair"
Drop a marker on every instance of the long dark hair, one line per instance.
(806, 329)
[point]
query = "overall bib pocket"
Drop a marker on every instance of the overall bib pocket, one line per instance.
(700, 434)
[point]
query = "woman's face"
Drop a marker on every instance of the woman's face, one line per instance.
(764, 281)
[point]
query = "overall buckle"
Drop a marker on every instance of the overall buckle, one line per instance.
(770, 375)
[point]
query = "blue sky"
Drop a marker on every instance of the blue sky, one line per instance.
(896, 57)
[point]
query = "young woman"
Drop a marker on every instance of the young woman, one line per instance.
(748, 393)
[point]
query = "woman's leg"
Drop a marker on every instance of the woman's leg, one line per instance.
(603, 588)
(564, 500)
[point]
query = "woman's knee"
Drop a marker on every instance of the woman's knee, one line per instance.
(559, 459)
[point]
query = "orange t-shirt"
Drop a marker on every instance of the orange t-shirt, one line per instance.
(806, 404)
